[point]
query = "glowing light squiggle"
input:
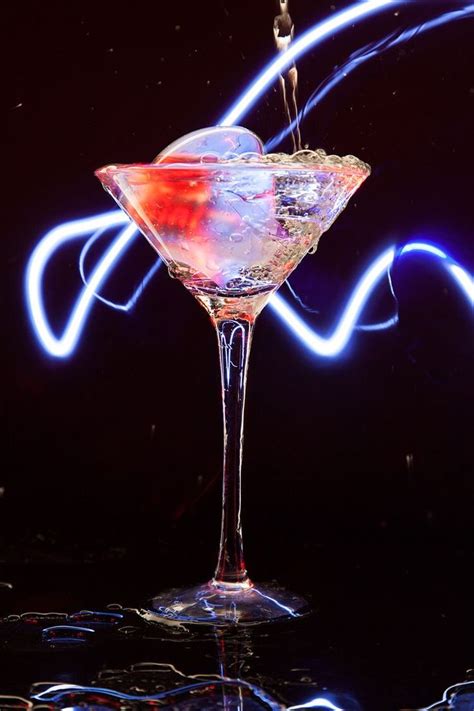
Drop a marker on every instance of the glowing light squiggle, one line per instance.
(325, 346)
(339, 338)
(334, 344)
(56, 238)
(64, 345)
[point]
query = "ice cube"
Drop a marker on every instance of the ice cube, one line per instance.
(213, 143)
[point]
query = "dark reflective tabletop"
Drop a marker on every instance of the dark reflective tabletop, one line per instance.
(391, 629)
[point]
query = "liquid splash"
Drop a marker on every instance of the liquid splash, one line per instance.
(311, 38)
(61, 630)
(363, 55)
(283, 32)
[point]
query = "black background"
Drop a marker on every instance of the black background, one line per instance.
(114, 453)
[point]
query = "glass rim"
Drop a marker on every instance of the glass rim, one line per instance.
(291, 166)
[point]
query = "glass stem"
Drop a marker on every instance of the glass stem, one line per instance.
(234, 338)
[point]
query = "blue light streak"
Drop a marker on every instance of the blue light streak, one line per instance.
(333, 345)
(56, 238)
(64, 345)
(362, 55)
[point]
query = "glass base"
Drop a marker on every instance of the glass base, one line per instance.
(226, 604)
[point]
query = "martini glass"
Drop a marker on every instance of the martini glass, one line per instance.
(232, 231)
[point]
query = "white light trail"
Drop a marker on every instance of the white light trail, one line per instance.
(337, 341)
(330, 346)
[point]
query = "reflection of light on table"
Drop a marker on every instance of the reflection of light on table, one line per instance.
(457, 694)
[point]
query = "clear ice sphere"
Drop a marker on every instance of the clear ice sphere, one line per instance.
(221, 142)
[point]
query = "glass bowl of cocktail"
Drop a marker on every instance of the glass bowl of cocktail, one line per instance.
(232, 227)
